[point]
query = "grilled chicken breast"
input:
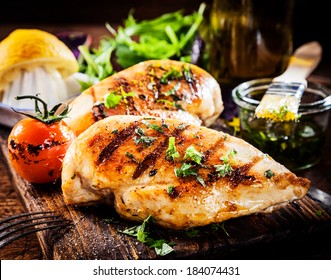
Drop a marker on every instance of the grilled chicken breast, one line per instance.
(182, 174)
(162, 88)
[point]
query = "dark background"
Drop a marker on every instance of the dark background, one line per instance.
(311, 18)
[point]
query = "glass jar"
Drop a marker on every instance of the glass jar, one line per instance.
(249, 39)
(296, 144)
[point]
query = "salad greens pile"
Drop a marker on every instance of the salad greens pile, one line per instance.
(170, 35)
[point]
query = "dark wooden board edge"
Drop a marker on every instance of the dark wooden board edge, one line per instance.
(91, 236)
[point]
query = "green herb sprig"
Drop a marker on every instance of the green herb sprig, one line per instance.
(161, 246)
(170, 35)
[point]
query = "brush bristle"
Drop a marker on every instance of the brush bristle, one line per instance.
(281, 102)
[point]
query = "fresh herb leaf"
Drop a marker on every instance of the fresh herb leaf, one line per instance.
(188, 74)
(139, 131)
(172, 74)
(161, 246)
(132, 157)
(186, 169)
(268, 173)
(171, 189)
(142, 138)
(225, 169)
(153, 126)
(171, 103)
(113, 98)
(171, 152)
(170, 35)
(146, 140)
(192, 154)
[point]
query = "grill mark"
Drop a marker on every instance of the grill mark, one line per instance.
(115, 143)
(238, 174)
(98, 112)
(150, 159)
(217, 145)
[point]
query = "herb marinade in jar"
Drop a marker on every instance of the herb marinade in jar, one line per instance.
(296, 144)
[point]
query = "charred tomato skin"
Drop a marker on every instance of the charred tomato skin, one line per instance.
(36, 149)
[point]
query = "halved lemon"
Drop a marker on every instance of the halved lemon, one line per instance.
(27, 49)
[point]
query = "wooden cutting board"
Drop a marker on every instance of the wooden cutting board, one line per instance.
(95, 231)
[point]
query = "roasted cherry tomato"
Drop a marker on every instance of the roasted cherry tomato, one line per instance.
(37, 144)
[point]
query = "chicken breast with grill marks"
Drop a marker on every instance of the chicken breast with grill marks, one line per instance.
(183, 175)
(161, 88)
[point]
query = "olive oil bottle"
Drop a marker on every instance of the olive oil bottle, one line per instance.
(249, 39)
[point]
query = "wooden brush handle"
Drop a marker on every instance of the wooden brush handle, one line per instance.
(304, 61)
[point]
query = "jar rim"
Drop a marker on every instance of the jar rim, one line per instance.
(241, 92)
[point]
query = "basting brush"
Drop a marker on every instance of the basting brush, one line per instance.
(282, 99)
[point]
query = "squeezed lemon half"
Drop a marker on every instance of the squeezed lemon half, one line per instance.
(27, 49)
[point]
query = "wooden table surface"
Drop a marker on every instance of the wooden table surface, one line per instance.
(29, 248)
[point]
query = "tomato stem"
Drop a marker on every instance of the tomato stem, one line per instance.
(46, 116)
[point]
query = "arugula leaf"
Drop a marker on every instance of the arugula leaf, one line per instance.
(170, 35)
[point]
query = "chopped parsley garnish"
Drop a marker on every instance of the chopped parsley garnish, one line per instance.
(268, 173)
(161, 246)
(153, 126)
(171, 103)
(225, 169)
(170, 75)
(131, 156)
(115, 131)
(142, 138)
(171, 189)
(192, 154)
(191, 159)
(188, 169)
(139, 131)
(171, 152)
(113, 98)
(187, 74)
